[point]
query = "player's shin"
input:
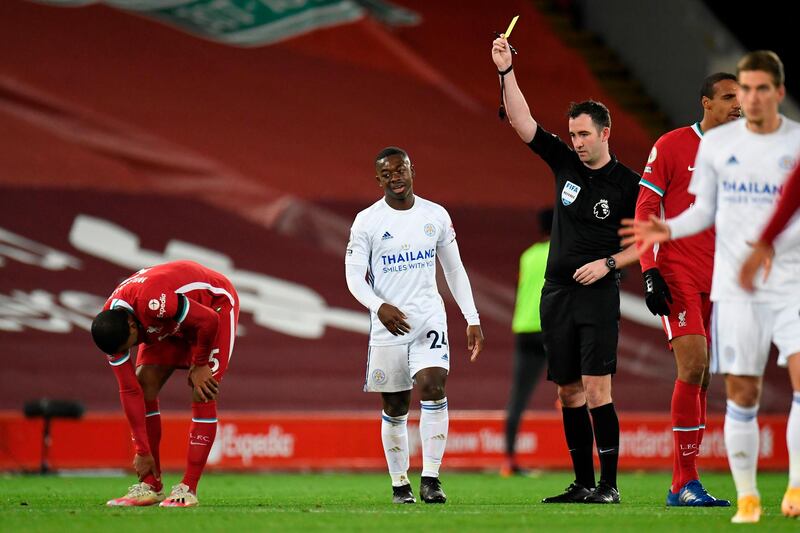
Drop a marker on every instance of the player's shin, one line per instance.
(394, 435)
(433, 425)
(793, 441)
(685, 411)
(703, 407)
(153, 424)
(741, 442)
(202, 432)
(580, 441)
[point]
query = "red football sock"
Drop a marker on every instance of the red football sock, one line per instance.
(685, 411)
(702, 432)
(202, 431)
(153, 424)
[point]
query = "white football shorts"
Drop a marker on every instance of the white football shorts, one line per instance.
(392, 368)
(741, 333)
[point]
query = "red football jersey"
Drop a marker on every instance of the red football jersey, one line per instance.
(178, 298)
(668, 173)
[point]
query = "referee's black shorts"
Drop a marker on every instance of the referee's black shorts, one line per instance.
(580, 329)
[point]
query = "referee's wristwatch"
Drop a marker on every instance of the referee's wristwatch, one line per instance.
(611, 263)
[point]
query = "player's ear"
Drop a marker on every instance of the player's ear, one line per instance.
(605, 134)
(781, 92)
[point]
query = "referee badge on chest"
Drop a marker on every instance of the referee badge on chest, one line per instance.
(569, 193)
(601, 209)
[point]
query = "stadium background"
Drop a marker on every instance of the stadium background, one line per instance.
(241, 134)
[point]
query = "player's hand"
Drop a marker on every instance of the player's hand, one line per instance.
(656, 292)
(393, 319)
(501, 53)
(474, 342)
(203, 383)
(591, 272)
(144, 465)
(645, 233)
(760, 257)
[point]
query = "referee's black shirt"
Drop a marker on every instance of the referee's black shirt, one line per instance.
(589, 205)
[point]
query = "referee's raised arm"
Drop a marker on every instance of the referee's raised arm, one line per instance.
(519, 114)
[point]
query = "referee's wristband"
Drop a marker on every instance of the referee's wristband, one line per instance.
(506, 71)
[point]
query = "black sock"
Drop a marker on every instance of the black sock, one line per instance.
(578, 430)
(606, 432)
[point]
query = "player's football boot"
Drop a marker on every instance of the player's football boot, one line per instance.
(403, 494)
(180, 496)
(575, 493)
(790, 506)
(693, 494)
(430, 490)
(603, 493)
(139, 495)
(749, 510)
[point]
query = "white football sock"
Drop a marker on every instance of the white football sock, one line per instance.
(433, 424)
(394, 434)
(741, 442)
(793, 441)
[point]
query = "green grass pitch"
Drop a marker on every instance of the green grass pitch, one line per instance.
(360, 502)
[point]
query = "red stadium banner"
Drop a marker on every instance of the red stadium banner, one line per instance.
(351, 440)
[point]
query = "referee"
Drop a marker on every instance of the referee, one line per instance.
(580, 298)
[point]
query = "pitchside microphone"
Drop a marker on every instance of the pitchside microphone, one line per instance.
(48, 409)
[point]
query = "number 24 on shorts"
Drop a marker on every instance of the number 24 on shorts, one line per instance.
(436, 338)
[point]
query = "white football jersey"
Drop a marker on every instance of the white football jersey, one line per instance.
(742, 173)
(398, 250)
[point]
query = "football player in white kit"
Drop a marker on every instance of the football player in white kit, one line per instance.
(739, 175)
(390, 267)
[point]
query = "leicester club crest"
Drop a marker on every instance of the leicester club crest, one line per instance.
(569, 193)
(379, 376)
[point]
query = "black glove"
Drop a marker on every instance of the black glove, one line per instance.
(656, 292)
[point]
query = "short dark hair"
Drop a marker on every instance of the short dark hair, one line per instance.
(764, 60)
(707, 90)
(391, 150)
(545, 216)
(110, 330)
(597, 110)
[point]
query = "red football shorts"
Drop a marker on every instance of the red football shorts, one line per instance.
(690, 310)
(177, 351)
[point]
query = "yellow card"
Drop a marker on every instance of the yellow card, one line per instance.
(507, 34)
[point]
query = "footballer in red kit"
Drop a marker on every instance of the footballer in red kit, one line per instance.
(677, 277)
(686, 265)
(181, 315)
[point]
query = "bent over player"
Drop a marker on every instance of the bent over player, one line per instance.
(182, 315)
(677, 278)
(390, 268)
